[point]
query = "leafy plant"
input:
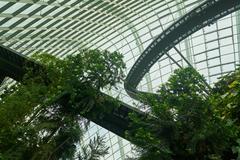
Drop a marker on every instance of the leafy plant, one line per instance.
(41, 116)
(185, 122)
(94, 150)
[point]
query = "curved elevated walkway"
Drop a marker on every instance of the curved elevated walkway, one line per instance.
(11, 63)
(203, 15)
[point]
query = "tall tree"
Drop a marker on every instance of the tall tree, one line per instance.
(183, 122)
(40, 117)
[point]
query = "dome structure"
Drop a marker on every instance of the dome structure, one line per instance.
(63, 27)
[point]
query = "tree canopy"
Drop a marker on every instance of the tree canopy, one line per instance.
(40, 117)
(190, 120)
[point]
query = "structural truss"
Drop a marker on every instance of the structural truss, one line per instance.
(154, 36)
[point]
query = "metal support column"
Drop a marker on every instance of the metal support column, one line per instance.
(238, 34)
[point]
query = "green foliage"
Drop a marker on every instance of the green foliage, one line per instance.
(236, 149)
(228, 92)
(94, 150)
(41, 116)
(188, 121)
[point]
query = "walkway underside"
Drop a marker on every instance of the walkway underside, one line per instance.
(11, 63)
(203, 15)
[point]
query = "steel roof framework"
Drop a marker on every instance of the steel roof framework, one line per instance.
(61, 27)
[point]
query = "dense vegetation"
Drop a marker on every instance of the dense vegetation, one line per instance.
(40, 117)
(190, 120)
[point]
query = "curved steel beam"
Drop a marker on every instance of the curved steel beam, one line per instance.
(11, 63)
(203, 15)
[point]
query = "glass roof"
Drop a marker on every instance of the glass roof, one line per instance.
(62, 27)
